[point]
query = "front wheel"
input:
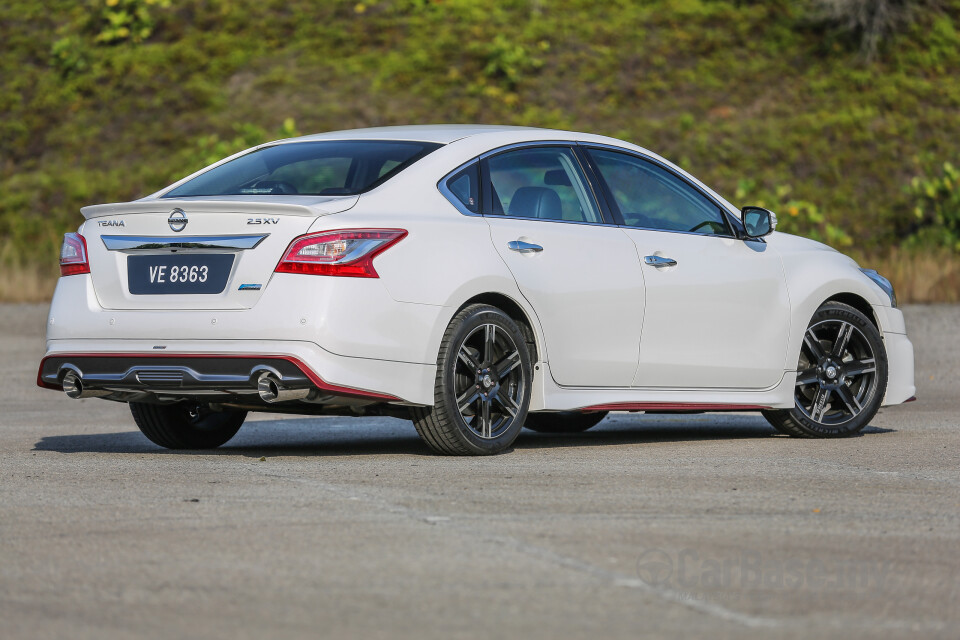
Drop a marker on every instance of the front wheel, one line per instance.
(482, 387)
(841, 376)
(186, 425)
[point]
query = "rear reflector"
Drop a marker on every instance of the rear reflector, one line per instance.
(347, 252)
(73, 255)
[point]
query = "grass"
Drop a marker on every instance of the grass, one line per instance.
(920, 277)
(26, 284)
(106, 101)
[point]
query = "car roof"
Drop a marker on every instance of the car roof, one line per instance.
(440, 133)
(482, 137)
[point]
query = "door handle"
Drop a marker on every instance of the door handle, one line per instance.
(524, 247)
(659, 261)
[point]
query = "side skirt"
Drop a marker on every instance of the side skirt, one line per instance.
(548, 396)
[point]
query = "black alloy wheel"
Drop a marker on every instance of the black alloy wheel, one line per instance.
(483, 385)
(841, 376)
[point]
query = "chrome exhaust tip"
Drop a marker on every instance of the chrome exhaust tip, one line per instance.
(73, 387)
(271, 390)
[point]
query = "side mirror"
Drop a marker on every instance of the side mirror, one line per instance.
(758, 221)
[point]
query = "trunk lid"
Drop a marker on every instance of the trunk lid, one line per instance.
(194, 253)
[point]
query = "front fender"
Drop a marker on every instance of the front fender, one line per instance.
(817, 275)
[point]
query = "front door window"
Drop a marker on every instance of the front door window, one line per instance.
(650, 197)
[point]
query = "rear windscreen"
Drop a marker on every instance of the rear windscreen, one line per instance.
(323, 168)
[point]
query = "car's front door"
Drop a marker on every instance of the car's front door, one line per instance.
(717, 313)
(581, 275)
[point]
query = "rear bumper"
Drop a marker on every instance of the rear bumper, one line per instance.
(182, 374)
(185, 369)
(165, 372)
(351, 317)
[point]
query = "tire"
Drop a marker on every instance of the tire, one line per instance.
(186, 425)
(841, 376)
(482, 387)
(563, 421)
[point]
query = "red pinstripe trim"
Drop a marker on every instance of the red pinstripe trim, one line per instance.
(671, 406)
(317, 381)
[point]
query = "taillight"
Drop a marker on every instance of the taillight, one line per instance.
(348, 252)
(73, 255)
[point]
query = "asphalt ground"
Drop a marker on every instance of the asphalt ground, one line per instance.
(645, 526)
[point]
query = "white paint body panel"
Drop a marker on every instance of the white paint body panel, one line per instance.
(724, 327)
(109, 268)
(719, 319)
(581, 269)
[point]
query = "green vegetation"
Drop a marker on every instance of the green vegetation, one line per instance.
(840, 123)
(937, 209)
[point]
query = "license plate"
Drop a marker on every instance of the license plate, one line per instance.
(178, 273)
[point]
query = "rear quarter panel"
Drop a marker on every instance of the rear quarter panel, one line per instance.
(446, 259)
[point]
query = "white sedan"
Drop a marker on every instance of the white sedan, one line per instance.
(476, 279)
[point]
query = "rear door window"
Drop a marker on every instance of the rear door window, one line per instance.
(546, 183)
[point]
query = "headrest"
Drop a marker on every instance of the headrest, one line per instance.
(536, 202)
(276, 187)
(557, 177)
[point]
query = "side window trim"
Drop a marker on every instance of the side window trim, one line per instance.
(615, 209)
(486, 192)
(608, 207)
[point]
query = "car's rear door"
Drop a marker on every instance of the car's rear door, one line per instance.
(581, 274)
(717, 312)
